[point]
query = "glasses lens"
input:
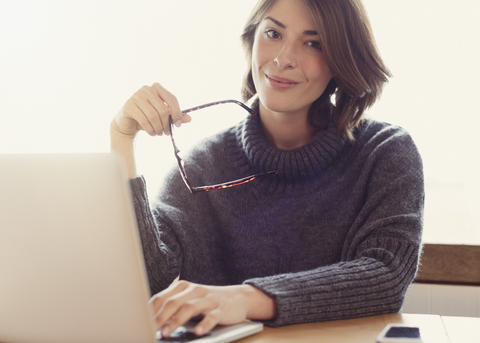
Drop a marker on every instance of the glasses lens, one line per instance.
(208, 120)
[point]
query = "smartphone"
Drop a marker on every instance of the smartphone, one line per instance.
(399, 333)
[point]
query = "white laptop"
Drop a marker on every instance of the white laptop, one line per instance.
(71, 264)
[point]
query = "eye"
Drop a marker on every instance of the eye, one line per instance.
(272, 34)
(315, 44)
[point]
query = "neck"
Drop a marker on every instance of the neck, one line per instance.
(286, 131)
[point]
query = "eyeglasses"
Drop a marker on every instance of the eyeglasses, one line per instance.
(181, 163)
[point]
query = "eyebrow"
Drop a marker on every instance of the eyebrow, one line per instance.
(306, 32)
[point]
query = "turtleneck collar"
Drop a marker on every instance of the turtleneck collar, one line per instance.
(307, 160)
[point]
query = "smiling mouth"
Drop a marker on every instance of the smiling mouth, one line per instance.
(280, 83)
(280, 80)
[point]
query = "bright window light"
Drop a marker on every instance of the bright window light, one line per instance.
(67, 67)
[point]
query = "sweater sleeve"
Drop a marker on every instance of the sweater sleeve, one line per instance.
(161, 252)
(381, 251)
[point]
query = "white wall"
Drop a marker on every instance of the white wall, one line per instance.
(433, 49)
(66, 67)
(444, 300)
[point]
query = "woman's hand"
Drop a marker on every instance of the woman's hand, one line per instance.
(148, 109)
(224, 305)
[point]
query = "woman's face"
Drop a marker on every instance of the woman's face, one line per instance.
(289, 68)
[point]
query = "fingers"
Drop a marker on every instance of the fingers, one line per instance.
(169, 101)
(190, 309)
(151, 107)
(176, 305)
(209, 321)
(184, 301)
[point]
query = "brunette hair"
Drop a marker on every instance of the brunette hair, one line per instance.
(347, 41)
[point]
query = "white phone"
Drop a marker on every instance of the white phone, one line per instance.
(399, 333)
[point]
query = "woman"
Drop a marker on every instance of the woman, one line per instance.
(334, 232)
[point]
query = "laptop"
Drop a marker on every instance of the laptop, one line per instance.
(71, 264)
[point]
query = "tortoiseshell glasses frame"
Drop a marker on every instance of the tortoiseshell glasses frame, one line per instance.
(181, 164)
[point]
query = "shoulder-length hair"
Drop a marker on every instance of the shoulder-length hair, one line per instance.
(347, 41)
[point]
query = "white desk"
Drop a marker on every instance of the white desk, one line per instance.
(462, 329)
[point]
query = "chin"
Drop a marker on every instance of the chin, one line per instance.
(280, 104)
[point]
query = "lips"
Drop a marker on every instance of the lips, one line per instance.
(280, 82)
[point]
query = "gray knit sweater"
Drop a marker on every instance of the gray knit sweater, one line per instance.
(335, 234)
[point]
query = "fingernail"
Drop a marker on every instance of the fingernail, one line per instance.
(178, 123)
(166, 331)
(199, 331)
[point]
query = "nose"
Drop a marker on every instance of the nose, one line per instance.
(286, 57)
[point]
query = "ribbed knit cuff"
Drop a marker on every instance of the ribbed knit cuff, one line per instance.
(138, 186)
(358, 288)
(145, 222)
(160, 259)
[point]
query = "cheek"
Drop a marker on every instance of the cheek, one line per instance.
(263, 52)
(259, 59)
(320, 74)
(258, 54)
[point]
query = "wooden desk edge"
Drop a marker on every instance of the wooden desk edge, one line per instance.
(358, 330)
